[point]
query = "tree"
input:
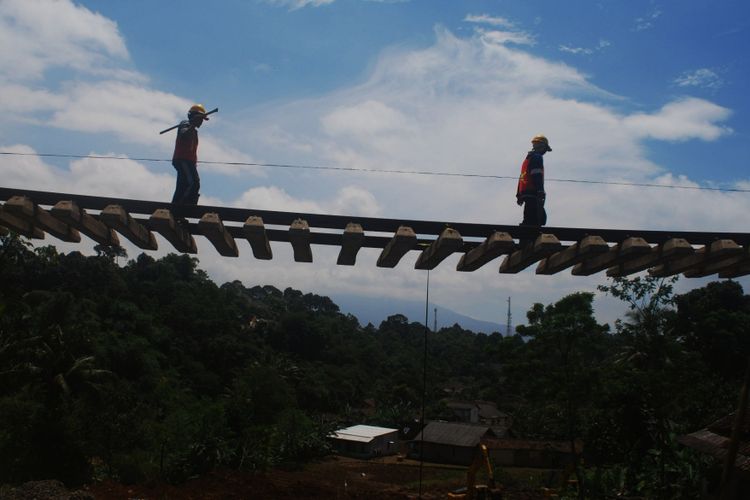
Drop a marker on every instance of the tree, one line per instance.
(566, 346)
(654, 371)
(648, 325)
(713, 321)
(112, 252)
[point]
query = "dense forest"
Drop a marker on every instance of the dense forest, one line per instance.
(151, 370)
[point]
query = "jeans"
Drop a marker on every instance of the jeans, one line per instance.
(188, 183)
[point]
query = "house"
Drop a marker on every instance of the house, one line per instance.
(365, 441)
(490, 415)
(463, 411)
(714, 441)
(449, 442)
(528, 453)
(477, 412)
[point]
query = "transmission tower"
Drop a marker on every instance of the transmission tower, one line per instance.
(509, 319)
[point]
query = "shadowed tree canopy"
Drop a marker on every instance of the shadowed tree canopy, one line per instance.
(147, 369)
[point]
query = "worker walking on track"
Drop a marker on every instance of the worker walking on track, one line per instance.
(530, 192)
(185, 158)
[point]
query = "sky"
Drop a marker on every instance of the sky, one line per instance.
(634, 92)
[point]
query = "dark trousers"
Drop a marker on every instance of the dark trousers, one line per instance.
(533, 212)
(186, 191)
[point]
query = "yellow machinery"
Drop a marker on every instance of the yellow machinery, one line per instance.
(475, 491)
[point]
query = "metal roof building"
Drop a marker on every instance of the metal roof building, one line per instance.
(449, 442)
(365, 441)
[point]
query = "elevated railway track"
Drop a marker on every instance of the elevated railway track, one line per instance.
(585, 251)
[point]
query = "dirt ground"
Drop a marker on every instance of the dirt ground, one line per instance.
(331, 479)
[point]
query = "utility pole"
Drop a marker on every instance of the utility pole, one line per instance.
(435, 316)
(509, 318)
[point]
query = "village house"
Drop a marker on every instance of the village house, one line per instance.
(449, 442)
(477, 412)
(529, 453)
(714, 441)
(365, 441)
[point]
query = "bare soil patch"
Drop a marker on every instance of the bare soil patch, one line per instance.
(332, 478)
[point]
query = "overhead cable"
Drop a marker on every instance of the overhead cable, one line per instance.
(384, 171)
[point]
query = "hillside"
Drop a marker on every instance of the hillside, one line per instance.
(374, 311)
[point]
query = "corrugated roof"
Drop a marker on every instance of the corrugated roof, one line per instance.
(521, 444)
(725, 424)
(488, 409)
(361, 433)
(453, 433)
(710, 443)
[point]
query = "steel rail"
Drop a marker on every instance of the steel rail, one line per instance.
(370, 224)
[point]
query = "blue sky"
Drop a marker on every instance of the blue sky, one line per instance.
(637, 91)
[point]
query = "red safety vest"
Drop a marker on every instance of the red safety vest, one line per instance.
(525, 180)
(186, 144)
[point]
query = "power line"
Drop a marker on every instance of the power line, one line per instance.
(382, 171)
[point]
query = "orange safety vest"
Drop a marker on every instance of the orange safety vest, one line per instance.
(186, 144)
(526, 185)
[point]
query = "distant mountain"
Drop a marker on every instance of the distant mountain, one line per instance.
(369, 310)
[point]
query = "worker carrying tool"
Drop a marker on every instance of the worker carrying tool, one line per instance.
(185, 157)
(530, 191)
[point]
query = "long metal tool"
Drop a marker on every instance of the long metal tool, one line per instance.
(175, 126)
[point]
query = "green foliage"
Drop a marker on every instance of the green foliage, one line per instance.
(568, 346)
(674, 473)
(664, 384)
(149, 370)
(713, 321)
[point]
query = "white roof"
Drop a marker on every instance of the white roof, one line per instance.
(361, 433)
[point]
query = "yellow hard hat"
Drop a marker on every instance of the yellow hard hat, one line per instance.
(197, 108)
(542, 139)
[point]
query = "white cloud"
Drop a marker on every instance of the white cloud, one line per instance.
(681, 120)
(461, 105)
(502, 37)
(111, 98)
(299, 4)
(24, 101)
(42, 34)
(120, 179)
(701, 78)
(575, 50)
(275, 198)
(471, 105)
(487, 19)
(354, 200)
(510, 34)
(28, 172)
(132, 112)
(365, 120)
(350, 200)
(647, 21)
(100, 177)
(482, 66)
(603, 44)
